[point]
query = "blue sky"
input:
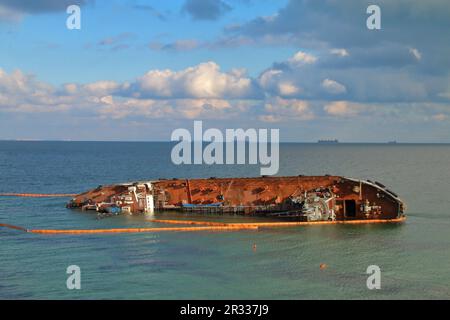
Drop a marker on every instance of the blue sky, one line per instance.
(81, 58)
(139, 69)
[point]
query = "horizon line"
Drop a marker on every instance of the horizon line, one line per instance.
(393, 142)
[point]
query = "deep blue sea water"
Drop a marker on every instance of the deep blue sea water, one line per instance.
(414, 257)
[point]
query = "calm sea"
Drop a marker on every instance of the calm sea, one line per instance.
(414, 257)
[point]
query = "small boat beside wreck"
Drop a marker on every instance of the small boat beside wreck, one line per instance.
(298, 198)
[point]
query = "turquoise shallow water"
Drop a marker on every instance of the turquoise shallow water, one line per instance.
(414, 257)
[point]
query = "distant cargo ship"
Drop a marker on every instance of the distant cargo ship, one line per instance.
(302, 198)
(334, 141)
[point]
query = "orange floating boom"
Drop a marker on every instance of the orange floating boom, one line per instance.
(284, 224)
(37, 195)
(191, 222)
(208, 226)
(10, 226)
(142, 230)
(306, 223)
(130, 230)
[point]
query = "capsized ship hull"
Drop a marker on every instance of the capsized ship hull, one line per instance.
(303, 198)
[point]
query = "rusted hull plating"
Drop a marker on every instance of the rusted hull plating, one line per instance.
(301, 198)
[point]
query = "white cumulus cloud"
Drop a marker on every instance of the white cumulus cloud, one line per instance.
(340, 52)
(333, 87)
(342, 108)
(416, 53)
(205, 80)
(273, 81)
(302, 58)
(279, 109)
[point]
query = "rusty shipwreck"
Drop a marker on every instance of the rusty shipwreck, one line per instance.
(300, 198)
